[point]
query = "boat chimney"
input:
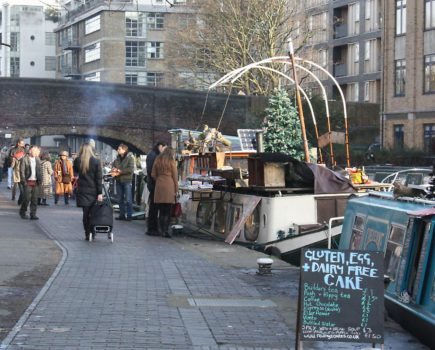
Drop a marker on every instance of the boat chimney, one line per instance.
(259, 141)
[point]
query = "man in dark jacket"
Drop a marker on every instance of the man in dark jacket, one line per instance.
(31, 178)
(123, 168)
(152, 209)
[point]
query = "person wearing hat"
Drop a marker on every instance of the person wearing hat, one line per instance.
(63, 173)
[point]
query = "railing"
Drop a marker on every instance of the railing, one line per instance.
(340, 30)
(70, 44)
(340, 70)
(70, 71)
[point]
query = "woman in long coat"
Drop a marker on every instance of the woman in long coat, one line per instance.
(45, 189)
(63, 173)
(165, 175)
(89, 183)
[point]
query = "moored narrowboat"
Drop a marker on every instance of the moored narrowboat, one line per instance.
(403, 228)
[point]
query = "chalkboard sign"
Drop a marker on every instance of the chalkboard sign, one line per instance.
(341, 296)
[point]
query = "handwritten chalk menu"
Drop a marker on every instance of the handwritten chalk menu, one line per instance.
(341, 296)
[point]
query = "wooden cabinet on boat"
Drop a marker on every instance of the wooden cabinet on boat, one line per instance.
(265, 174)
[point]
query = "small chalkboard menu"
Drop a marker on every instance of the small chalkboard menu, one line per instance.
(341, 296)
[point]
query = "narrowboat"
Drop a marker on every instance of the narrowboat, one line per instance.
(279, 220)
(403, 228)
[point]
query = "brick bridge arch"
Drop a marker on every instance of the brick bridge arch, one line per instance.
(114, 113)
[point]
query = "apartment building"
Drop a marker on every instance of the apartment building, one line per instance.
(119, 41)
(28, 41)
(346, 41)
(408, 118)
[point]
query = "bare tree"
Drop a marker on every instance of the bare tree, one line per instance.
(222, 35)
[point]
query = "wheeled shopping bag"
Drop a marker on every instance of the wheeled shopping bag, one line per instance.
(101, 219)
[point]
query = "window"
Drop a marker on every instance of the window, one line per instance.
(372, 56)
(135, 24)
(92, 24)
(92, 53)
(131, 79)
(14, 41)
(429, 73)
(155, 20)
(154, 49)
(429, 138)
(50, 63)
(398, 136)
(318, 24)
(155, 79)
(50, 38)
(393, 252)
(366, 91)
(399, 77)
(429, 14)
(353, 18)
(367, 50)
(15, 67)
(353, 59)
(352, 92)
(400, 17)
(357, 232)
(93, 76)
(135, 54)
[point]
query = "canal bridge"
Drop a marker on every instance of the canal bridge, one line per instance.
(113, 113)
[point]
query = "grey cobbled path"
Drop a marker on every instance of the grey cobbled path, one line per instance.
(139, 293)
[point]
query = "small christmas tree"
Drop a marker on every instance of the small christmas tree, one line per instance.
(282, 126)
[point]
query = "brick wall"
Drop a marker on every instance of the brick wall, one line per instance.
(137, 115)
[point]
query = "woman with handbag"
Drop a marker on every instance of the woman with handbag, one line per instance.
(165, 175)
(89, 183)
(63, 173)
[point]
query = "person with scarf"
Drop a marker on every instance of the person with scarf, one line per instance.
(63, 173)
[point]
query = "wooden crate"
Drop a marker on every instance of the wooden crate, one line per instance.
(212, 160)
(266, 174)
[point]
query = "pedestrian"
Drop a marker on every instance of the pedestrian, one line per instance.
(31, 178)
(63, 173)
(89, 183)
(45, 189)
(122, 170)
(16, 176)
(3, 156)
(152, 224)
(165, 175)
(19, 150)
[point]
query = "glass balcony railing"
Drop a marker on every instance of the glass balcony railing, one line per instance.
(340, 70)
(340, 30)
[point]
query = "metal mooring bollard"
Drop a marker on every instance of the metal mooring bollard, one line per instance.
(264, 266)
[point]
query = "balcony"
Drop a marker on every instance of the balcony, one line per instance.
(70, 72)
(340, 69)
(340, 30)
(71, 44)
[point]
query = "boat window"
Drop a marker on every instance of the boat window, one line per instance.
(220, 218)
(394, 251)
(357, 231)
(204, 214)
(417, 264)
(234, 213)
(252, 225)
